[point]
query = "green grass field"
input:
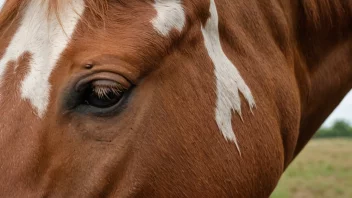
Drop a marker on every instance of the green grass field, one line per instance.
(323, 170)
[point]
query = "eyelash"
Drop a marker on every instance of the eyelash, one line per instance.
(102, 95)
(104, 91)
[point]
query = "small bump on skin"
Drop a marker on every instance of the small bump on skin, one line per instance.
(88, 66)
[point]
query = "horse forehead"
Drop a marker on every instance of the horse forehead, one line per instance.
(45, 38)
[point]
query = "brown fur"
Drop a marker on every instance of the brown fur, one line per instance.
(326, 14)
(295, 55)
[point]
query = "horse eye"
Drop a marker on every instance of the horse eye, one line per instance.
(103, 93)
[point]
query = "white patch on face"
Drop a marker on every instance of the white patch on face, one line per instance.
(228, 80)
(45, 39)
(170, 14)
(2, 2)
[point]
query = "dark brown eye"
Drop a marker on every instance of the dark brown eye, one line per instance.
(99, 94)
(103, 93)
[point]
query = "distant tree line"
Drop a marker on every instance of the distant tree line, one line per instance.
(340, 128)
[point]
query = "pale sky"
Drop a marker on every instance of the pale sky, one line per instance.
(343, 111)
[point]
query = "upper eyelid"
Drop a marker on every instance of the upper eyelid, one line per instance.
(112, 63)
(108, 76)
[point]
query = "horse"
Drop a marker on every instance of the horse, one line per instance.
(165, 98)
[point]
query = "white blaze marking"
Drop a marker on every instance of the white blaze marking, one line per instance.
(45, 39)
(228, 80)
(170, 14)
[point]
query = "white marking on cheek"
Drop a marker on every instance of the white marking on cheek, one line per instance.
(228, 80)
(2, 2)
(170, 14)
(45, 39)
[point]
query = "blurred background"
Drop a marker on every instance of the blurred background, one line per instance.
(324, 168)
